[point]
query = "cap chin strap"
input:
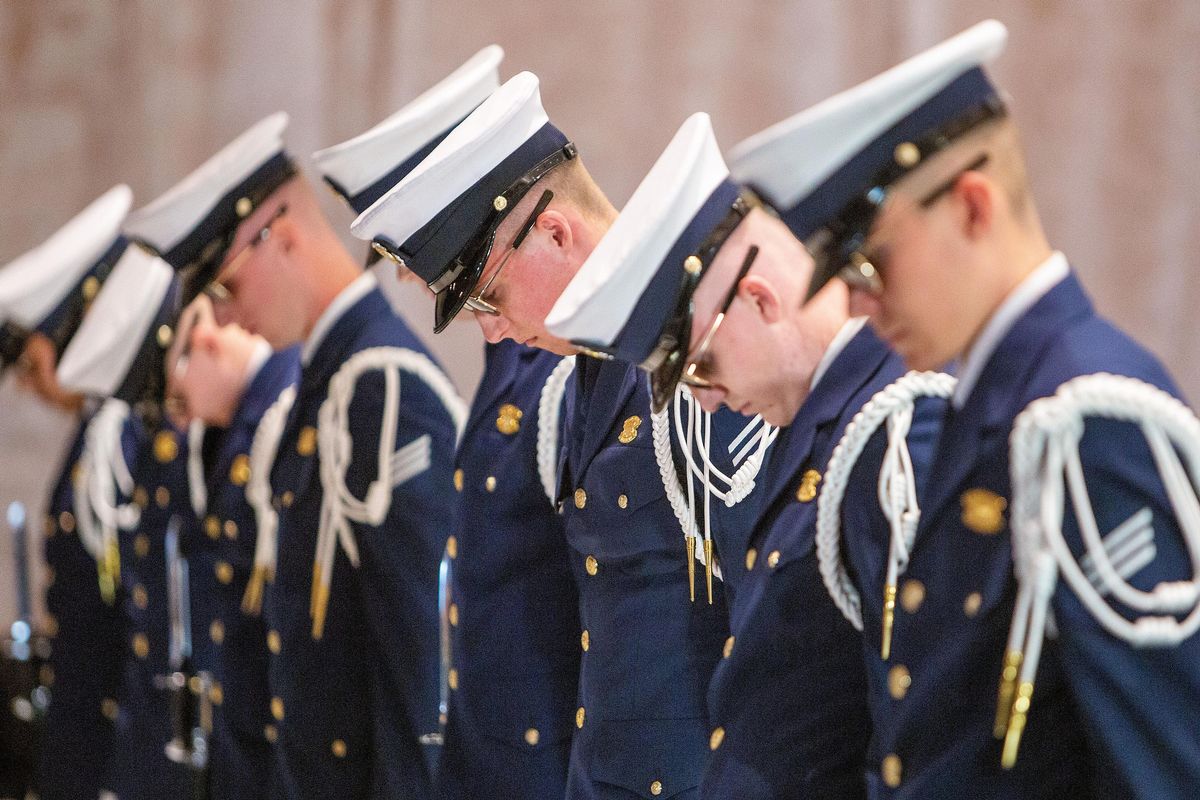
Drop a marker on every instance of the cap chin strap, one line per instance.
(263, 448)
(897, 493)
(1046, 467)
(339, 507)
(693, 431)
(104, 477)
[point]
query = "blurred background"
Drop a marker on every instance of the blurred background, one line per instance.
(99, 92)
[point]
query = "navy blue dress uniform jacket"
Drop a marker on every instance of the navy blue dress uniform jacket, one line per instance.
(350, 707)
(514, 617)
(87, 655)
(789, 699)
(157, 458)
(240, 756)
(1106, 720)
(648, 651)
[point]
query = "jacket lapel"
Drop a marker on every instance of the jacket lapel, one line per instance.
(996, 398)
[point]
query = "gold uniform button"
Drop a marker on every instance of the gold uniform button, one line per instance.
(306, 443)
(338, 748)
(216, 694)
(162, 496)
(216, 631)
(270, 733)
(728, 647)
(140, 598)
(692, 264)
(452, 613)
(287, 499)
(773, 559)
(912, 595)
(452, 679)
(458, 480)
(808, 486)
(452, 547)
(141, 645)
(274, 642)
(239, 470)
(579, 717)
(277, 708)
(109, 708)
(231, 529)
(212, 527)
(656, 788)
(141, 497)
(165, 447)
(751, 557)
(622, 501)
(223, 571)
(898, 681)
(891, 770)
(532, 736)
(490, 483)
(629, 429)
(141, 545)
(972, 603)
(580, 498)
(591, 565)
(718, 736)
(66, 522)
(585, 640)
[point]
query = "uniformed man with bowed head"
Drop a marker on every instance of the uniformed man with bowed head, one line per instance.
(919, 182)
(361, 481)
(512, 612)
(699, 283)
(44, 294)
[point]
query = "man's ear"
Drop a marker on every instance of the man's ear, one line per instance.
(977, 198)
(759, 292)
(555, 223)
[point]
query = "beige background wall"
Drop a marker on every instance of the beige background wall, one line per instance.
(96, 92)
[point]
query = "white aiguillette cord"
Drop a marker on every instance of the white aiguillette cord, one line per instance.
(693, 429)
(263, 448)
(339, 507)
(897, 492)
(1045, 466)
(104, 476)
(549, 409)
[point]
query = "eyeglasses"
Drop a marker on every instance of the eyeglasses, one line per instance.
(692, 372)
(218, 290)
(476, 302)
(859, 270)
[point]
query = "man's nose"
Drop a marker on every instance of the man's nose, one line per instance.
(494, 327)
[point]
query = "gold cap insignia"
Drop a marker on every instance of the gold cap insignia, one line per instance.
(243, 207)
(629, 430)
(508, 420)
(907, 154)
(983, 511)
